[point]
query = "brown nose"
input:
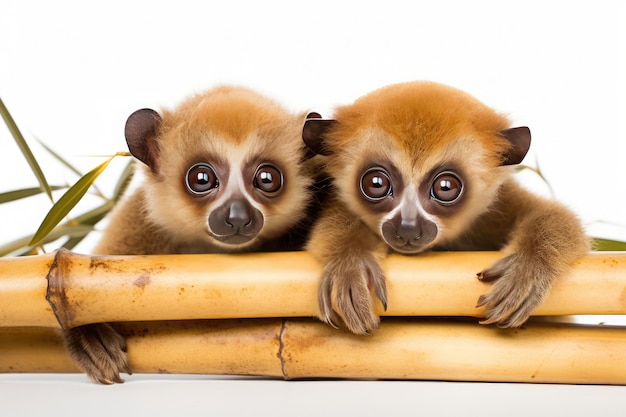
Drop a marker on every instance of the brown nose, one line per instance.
(238, 215)
(235, 222)
(408, 235)
(408, 232)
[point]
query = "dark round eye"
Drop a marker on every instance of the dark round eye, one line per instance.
(201, 179)
(375, 184)
(268, 179)
(447, 188)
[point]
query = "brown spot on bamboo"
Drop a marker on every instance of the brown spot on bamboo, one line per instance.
(142, 281)
(96, 262)
(55, 294)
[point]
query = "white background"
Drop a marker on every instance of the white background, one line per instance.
(71, 72)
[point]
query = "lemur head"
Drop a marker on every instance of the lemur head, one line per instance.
(224, 167)
(417, 162)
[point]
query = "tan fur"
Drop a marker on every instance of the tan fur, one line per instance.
(417, 128)
(232, 127)
(224, 123)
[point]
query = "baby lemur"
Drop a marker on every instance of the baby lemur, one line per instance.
(224, 172)
(420, 166)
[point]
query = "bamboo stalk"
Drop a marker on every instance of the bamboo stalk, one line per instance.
(431, 349)
(65, 289)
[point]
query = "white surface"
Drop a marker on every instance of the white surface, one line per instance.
(192, 395)
(72, 71)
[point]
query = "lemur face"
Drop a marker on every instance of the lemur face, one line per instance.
(224, 167)
(417, 162)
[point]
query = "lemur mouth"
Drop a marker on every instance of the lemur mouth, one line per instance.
(409, 237)
(235, 239)
(407, 248)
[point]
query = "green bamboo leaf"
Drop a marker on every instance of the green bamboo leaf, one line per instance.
(93, 216)
(22, 245)
(90, 218)
(13, 246)
(86, 220)
(59, 158)
(67, 230)
(72, 241)
(27, 252)
(62, 231)
(600, 244)
(124, 180)
(23, 193)
(21, 143)
(68, 165)
(68, 201)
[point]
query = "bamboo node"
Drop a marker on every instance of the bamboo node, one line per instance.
(55, 293)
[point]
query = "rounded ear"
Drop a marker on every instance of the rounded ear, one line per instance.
(141, 136)
(314, 133)
(520, 139)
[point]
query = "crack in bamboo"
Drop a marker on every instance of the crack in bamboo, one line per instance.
(281, 349)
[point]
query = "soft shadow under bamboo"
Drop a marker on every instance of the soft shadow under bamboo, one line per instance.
(423, 349)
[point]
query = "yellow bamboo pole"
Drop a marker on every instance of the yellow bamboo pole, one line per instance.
(23, 289)
(65, 289)
(407, 348)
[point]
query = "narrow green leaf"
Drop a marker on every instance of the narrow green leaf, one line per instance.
(68, 201)
(23, 193)
(13, 246)
(607, 245)
(23, 244)
(72, 242)
(124, 180)
(68, 230)
(65, 230)
(26, 252)
(59, 158)
(68, 165)
(93, 216)
(86, 220)
(21, 143)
